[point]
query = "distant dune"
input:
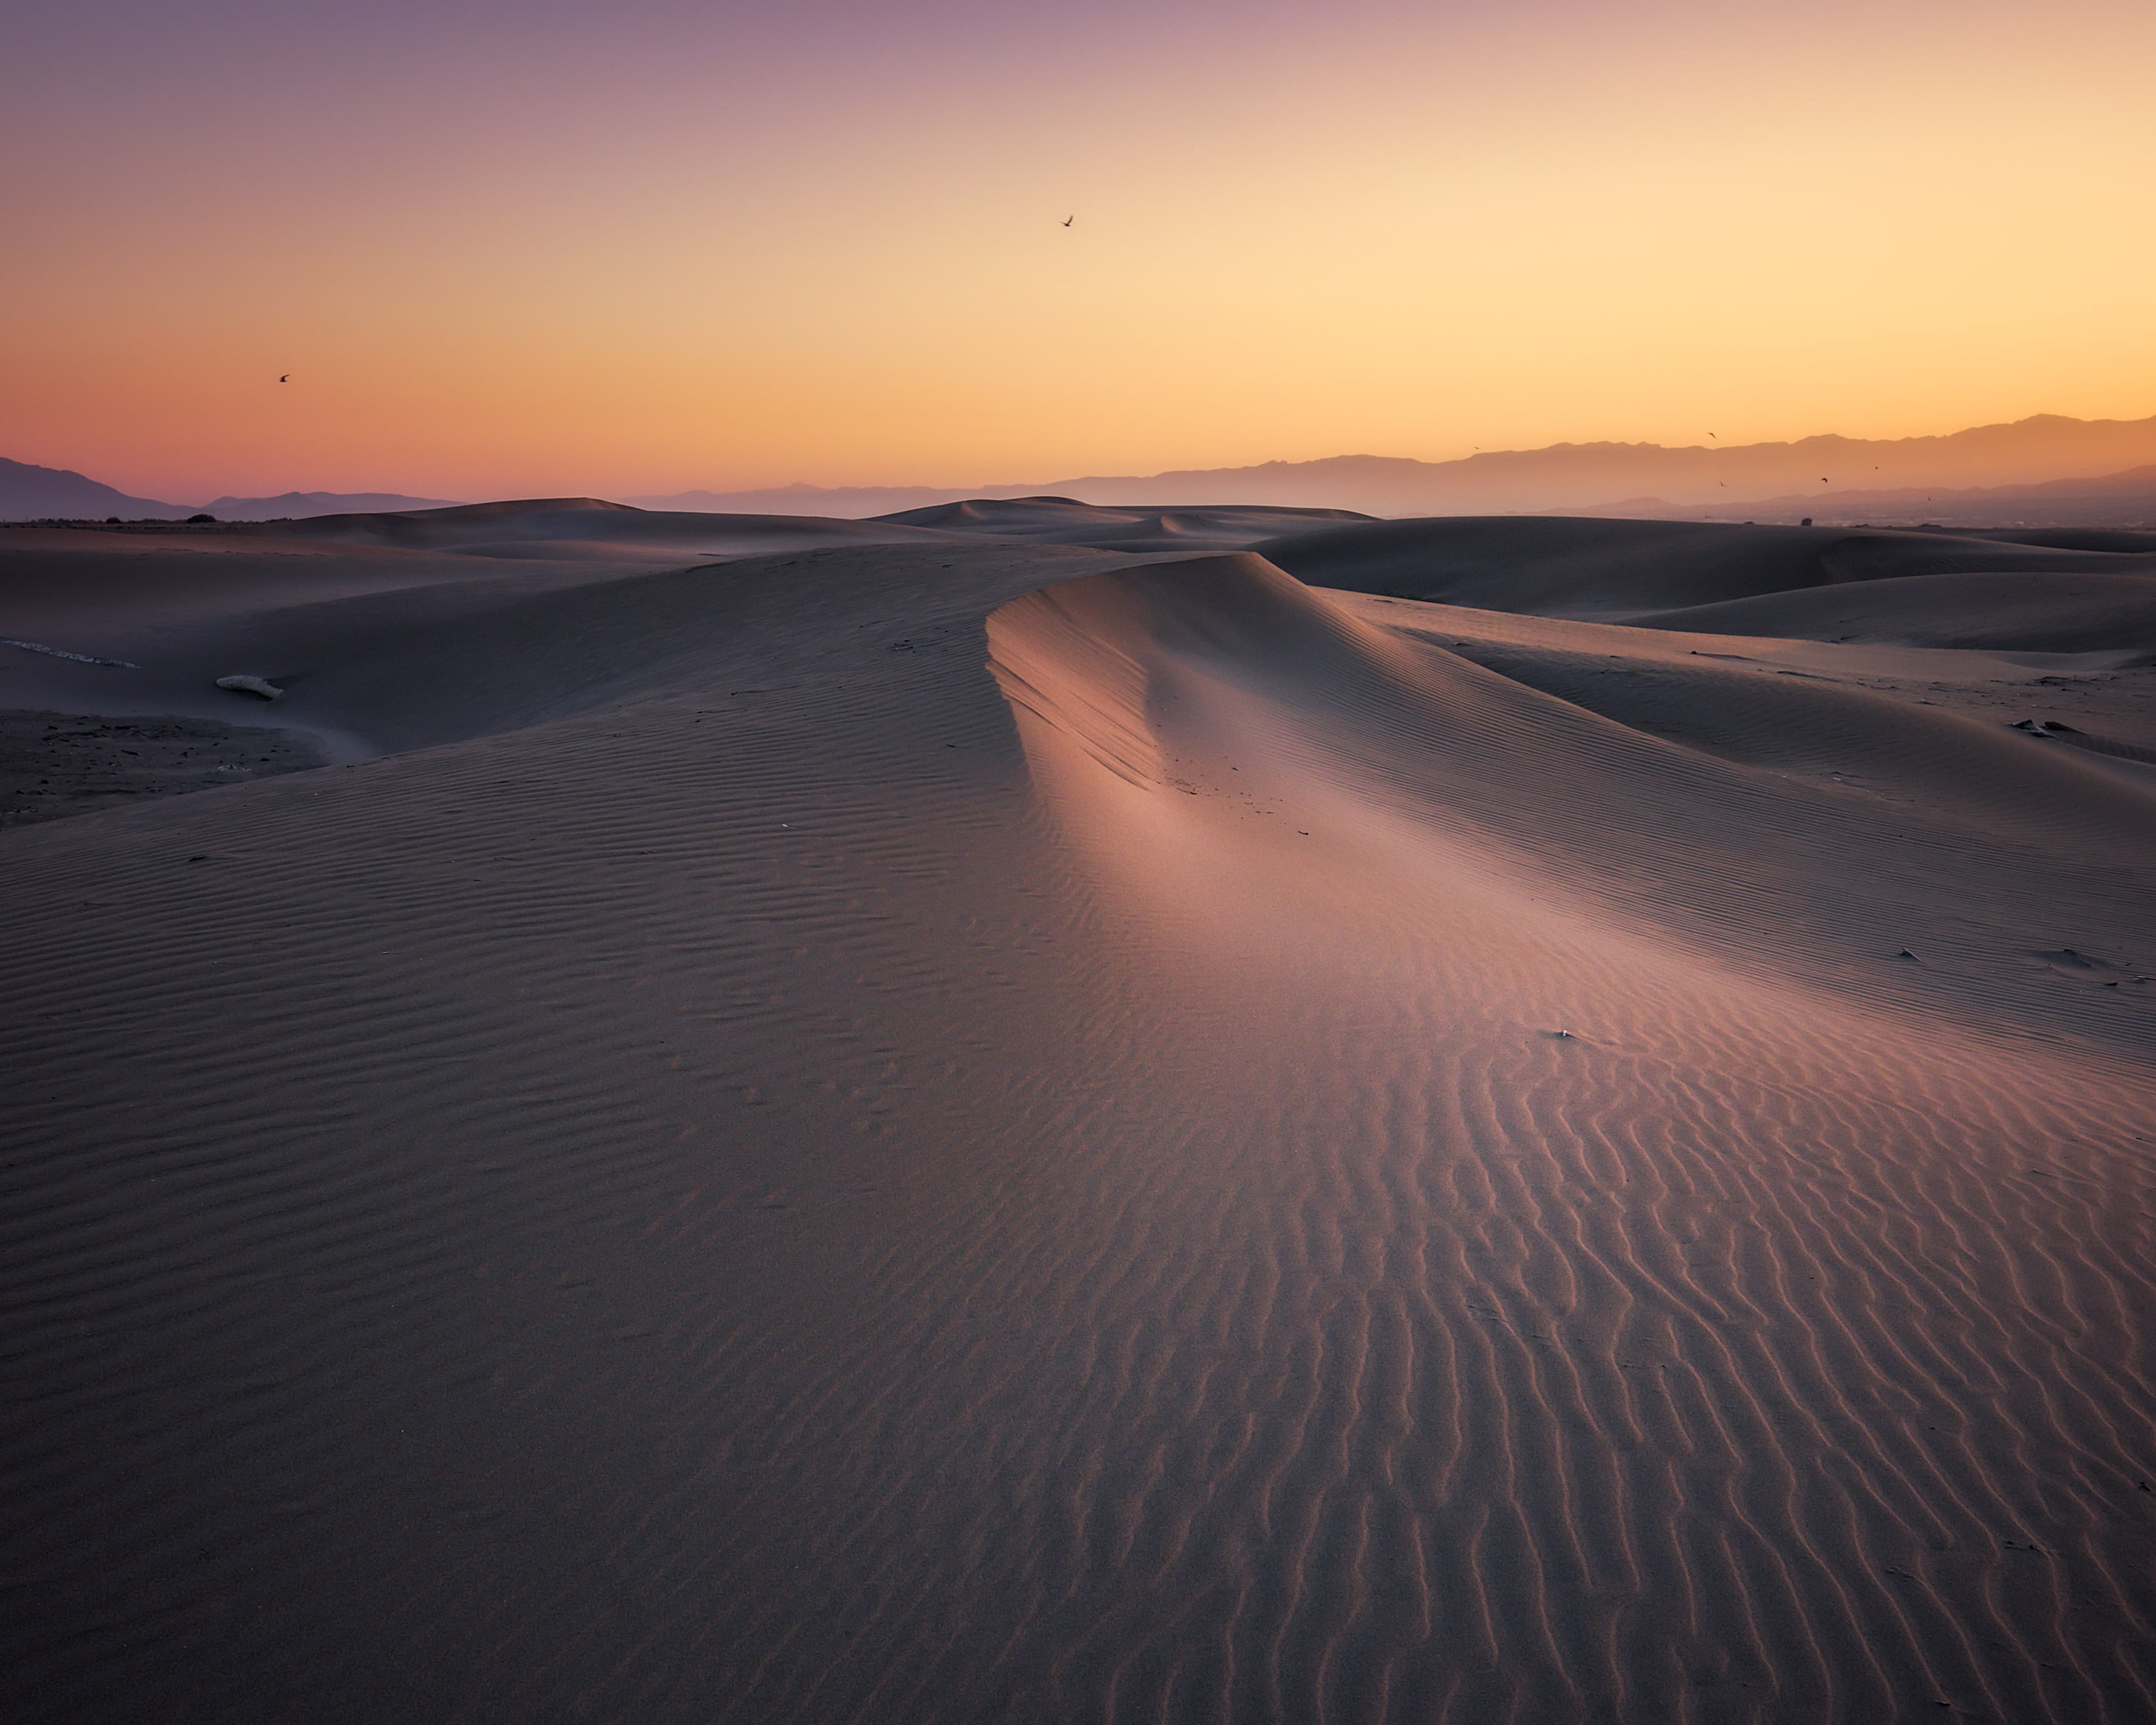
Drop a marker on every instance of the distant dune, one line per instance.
(850, 501)
(742, 1119)
(1623, 569)
(553, 530)
(1064, 521)
(300, 505)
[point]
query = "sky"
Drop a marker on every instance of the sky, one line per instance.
(535, 249)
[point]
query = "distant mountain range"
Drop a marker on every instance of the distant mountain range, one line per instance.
(2124, 499)
(1583, 478)
(31, 494)
(2044, 463)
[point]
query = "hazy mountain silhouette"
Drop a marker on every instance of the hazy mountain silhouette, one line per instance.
(2119, 500)
(29, 494)
(1561, 477)
(1829, 477)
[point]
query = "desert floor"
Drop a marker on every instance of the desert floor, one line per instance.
(1036, 1113)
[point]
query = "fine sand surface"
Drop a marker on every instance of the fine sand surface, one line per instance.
(938, 1128)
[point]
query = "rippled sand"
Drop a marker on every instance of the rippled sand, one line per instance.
(961, 1129)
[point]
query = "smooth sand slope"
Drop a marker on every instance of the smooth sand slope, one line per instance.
(973, 1131)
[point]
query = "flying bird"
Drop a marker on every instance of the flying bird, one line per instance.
(1067, 220)
(286, 378)
(1711, 435)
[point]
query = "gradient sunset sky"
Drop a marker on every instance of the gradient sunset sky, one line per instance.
(533, 249)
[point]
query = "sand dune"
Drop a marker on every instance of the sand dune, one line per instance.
(571, 526)
(1625, 569)
(957, 1129)
(2039, 613)
(2055, 593)
(1063, 520)
(296, 601)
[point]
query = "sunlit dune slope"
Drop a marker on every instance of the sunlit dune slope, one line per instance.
(1656, 783)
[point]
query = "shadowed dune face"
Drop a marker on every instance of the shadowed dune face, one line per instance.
(2066, 611)
(386, 631)
(974, 1131)
(1666, 571)
(2072, 538)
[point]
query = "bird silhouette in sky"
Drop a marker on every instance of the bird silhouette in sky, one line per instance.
(1711, 435)
(1067, 220)
(286, 378)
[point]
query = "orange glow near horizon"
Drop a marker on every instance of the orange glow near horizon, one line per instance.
(500, 266)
